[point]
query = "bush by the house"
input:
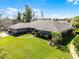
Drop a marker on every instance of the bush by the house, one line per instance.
(75, 24)
(75, 19)
(63, 48)
(67, 37)
(75, 31)
(44, 36)
(56, 37)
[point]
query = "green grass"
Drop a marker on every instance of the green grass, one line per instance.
(29, 48)
(26, 35)
(76, 43)
(76, 38)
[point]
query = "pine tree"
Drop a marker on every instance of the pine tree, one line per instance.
(27, 15)
(19, 17)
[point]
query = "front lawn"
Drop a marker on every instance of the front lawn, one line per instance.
(29, 48)
(26, 35)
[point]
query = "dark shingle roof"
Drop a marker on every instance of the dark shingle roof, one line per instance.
(20, 25)
(7, 22)
(45, 25)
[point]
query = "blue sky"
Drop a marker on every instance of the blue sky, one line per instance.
(51, 8)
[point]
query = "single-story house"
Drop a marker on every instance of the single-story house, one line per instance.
(41, 26)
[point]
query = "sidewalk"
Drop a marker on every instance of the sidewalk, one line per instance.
(73, 52)
(3, 34)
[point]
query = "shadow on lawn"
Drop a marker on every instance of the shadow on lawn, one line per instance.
(67, 39)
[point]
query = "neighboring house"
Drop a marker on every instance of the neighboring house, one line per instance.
(41, 26)
(4, 23)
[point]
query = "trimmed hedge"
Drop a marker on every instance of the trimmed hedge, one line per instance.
(63, 48)
(76, 43)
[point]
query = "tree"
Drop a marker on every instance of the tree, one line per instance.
(27, 15)
(42, 15)
(33, 17)
(19, 17)
(67, 19)
(75, 24)
(55, 19)
(75, 19)
(0, 16)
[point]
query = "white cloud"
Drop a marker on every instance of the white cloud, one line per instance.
(42, 0)
(73, 1)
(37, 13)
(9, 12)
(70, 0)
(60, 16)
(55, 16)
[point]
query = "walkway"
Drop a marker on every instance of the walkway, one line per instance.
(3, 34)
(73, 52)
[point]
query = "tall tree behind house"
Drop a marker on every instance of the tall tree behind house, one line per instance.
(42, 15)
(27, 14)
(19, 17)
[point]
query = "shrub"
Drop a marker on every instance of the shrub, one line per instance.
(75, 24)
(75, 31)
(67, 37)
(63, 48)
(41, 35)
(56, 37)
(75, 19)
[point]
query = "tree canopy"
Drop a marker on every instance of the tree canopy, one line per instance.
(75, 22)
(27, 14)
(75, 19)
(19, 16)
